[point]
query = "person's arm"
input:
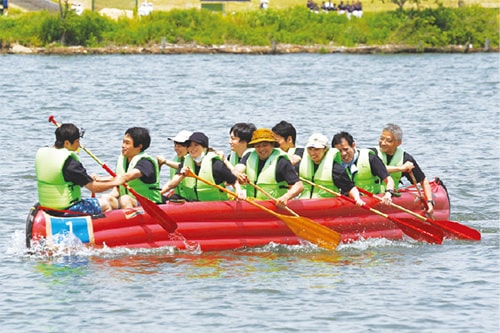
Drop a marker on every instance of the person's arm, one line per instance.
(389, 185)
(422, 179)
(239, 169)
(96, 186)
(286, 171)
(172, 183)
(354, 194)
(73, 171)
(293, 191)
(405, 167)
(380, 170)
(428, 195)
(171, 164)
(342, 180)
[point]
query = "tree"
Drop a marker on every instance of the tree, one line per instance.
(401, 3)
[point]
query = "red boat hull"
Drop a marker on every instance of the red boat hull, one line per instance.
(226, 225)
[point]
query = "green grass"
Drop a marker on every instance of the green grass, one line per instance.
(368, 6)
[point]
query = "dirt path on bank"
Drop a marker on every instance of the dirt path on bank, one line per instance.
(33, 5)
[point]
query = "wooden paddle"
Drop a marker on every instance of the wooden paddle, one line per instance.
(260, 189)
(150, 207)
(452, 229)
(302, 227)
(416, 231)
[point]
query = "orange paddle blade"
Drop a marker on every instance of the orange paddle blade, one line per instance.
(312, 231)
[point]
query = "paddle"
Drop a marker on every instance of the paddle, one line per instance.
(452, 228)
(421, 197)
(150, 207)
(302, 227)
(418, 232)
(260, 189)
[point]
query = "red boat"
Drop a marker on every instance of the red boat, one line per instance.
(225, 225)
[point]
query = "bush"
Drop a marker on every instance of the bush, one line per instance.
(432, 27)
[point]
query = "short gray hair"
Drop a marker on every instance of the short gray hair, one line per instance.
(395, 130)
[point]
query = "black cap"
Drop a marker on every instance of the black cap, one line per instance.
(200, 138)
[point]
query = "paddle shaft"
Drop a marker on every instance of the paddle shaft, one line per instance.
(452, 228)
(300, 226)
(421, 196)
(429, 233)
(260, 189)
(370, 194)
(223, 189)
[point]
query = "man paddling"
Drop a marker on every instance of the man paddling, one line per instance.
(139, 170)
(60, 176)
(269, 168)
(399, 163)
(364, 167)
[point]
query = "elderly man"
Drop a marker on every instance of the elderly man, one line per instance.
(269, 168)
(364, 167)
(399, 163)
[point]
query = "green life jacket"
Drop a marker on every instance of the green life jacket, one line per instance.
(322, 176)
(267, 177)
(150, 191)
(364, 178)
(235, 159)
(397, 160)
(197, 190)
(53, 190)
(181, 188)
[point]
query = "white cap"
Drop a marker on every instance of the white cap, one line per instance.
(182, 136)
(317, 140)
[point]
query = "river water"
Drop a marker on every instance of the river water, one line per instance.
(447, 105)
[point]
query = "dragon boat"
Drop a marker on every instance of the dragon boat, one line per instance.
(232, 224)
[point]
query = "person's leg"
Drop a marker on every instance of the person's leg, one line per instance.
(126, 201)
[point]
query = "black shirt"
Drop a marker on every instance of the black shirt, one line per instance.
(417, 171)
(285, 171)
(220, 171)
(74, 172)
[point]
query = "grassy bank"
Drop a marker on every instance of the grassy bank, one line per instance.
(368, 6)
(432, 27)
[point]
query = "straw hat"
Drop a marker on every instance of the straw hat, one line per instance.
(261, 135)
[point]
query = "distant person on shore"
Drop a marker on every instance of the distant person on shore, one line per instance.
(357, 9)
(140, 170)
(60, 176)
(399, 163)
(312, 6)
(5, 5)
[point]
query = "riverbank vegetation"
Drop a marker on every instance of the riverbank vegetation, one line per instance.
(430, 27)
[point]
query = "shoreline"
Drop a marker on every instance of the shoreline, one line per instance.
(276, 48)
